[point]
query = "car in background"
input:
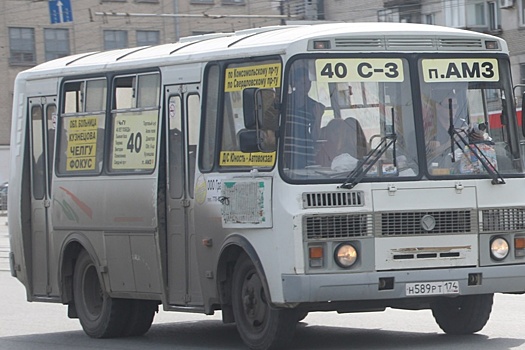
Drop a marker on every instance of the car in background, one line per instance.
(3, 195)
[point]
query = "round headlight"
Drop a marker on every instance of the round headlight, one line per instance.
(499, 248)
(345, 255)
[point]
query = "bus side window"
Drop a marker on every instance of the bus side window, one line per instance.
(176, 160)
(81, 128)
(194, 111)
(38, 152)
(210, 119)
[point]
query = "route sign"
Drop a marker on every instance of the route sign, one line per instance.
(60, 11)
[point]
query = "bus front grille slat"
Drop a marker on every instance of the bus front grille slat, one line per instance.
(333, 199)
(337, 226)
(438, 222)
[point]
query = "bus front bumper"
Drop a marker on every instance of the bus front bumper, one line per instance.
(366, 286)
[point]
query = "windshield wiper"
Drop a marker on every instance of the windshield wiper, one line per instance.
(368, 162)
(496, 177)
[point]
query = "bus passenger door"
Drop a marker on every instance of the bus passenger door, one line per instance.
(183, 114)
(42, 131)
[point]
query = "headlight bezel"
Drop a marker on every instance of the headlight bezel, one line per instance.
(499, 248)
(354, 255)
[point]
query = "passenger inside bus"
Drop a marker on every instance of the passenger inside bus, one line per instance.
(341, 136)
(303, 121)
(270, 120)
(438, 137)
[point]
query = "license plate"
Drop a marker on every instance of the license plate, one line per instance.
(432, 288)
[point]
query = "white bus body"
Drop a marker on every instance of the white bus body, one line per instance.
(164, 176)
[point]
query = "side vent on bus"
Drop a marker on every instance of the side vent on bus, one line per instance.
(459, 44)
(359, 43)
(414, 43)
(333, 199)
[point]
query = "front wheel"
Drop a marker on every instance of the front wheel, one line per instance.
(260, 326)
(464, 314)
(100, 315)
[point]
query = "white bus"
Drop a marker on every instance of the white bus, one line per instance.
(269, 173)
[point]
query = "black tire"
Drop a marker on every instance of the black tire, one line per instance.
(463, 315)
(260, 326)
(140, 318)
(100, 315)
(301, 315)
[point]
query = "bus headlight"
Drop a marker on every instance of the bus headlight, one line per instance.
(345, 255)
(499, 248)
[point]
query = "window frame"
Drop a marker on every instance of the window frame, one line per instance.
(114, 32)
(130, 112)
(147, 33)
(56, 42)
(451, 8)
(521, 13)
(81, 112)
(14, 42)
(220, 112)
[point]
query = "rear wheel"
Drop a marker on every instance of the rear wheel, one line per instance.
(100, 315)
(463, 315)
(140, 318)
(259, 325)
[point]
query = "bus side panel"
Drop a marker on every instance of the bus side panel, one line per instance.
(124, 209)
(19, 197)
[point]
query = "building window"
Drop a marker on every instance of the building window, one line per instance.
(522, 12)
(115, 39)
(429, 19)
(494, 20)
(22, 46)
(388, 15)
(148, 37)
(233, 2)
(150, 1)
(476, 14)
(454, 11)
(201, 1)
(472, 14)
(56, 42)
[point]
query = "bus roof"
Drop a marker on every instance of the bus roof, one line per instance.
(364, 37)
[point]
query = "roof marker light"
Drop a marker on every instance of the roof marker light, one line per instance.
(321, 45)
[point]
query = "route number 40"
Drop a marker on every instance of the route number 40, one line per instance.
(134, 142)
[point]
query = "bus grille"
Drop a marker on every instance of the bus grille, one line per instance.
(337, 226)
(410, 223)
(502, 219)
(333, 199)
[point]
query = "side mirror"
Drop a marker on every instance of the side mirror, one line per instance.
(248, 141)
(249, 108)
(261, 120)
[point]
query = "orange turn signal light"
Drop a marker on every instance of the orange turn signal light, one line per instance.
(316, 252)
(519, 242)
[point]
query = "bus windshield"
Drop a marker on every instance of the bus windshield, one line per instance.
(360, 118)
